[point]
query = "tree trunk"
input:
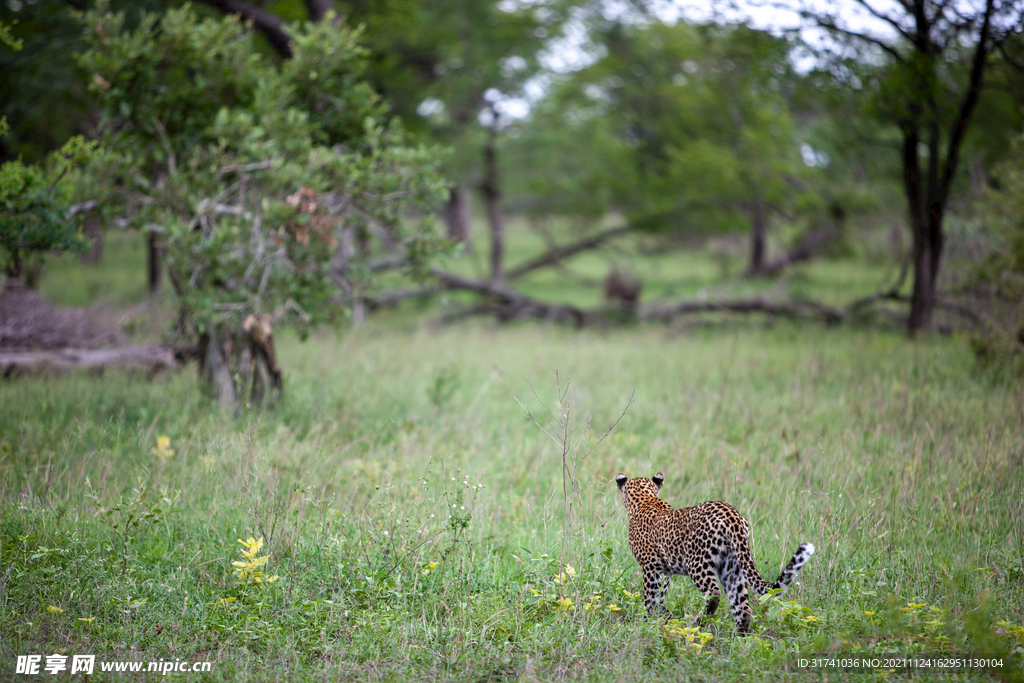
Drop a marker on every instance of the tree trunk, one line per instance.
(93, 229)
(241, 369)
(926, 258)
(318, 9)
(215, 370)
(492, 198)
(456, 214)
(14, 266)
(154, 263)
(32, 270)
(759, 226)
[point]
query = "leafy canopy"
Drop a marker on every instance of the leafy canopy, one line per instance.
(271, 185)
(683, 128)
(35, 205)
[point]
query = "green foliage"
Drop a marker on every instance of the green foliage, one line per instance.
(445, 67)
(42, 93)
(7, 38)
(261, 179)
(1004, 210)
(35, 205)
(685, 128)
(131, 517)
(1000, 347)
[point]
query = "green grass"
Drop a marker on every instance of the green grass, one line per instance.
(118, 278)
(898, 460)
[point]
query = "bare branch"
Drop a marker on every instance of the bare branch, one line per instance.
(244, 168)
(795, 309)
(556, 254)
(172, 160)
(269, 23)
(967, 106)
(878, 14)
(827, 24)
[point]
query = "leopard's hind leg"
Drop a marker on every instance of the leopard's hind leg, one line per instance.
(704, 578)
(731, 575)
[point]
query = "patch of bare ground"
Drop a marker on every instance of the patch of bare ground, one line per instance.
(36, 335)
(28, 322)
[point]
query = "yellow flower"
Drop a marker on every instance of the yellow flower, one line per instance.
(54, 609)
(614, 608)
(87, 620)
(812, 619)
(163, 448)
(564, 604)
(428, 568)
(870, 614)
(566, 576)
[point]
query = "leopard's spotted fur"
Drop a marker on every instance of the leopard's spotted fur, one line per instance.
(709, 542)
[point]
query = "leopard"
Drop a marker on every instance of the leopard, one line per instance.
(709, 542)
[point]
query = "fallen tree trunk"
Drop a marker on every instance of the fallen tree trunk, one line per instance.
(786, 309)
(506, 305)
(151, 357)
(397, 296)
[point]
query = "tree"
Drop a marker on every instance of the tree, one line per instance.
(450, 69)
(36, 216)
(447, 68)
(42, 92)
(933, 66)
(686, 129)
(270, 185)
(35, 211)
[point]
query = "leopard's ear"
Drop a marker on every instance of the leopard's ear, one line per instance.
(621, 480)
(658, 479)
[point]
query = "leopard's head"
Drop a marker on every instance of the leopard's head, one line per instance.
(638, 491)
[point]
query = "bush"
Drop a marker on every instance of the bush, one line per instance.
(270, 186)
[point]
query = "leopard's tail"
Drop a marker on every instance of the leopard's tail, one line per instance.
(788, 575)
(786, 578)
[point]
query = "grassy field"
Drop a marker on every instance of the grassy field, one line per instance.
(413, 518)
(413, 515)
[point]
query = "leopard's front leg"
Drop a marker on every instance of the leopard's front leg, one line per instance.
(655, 589)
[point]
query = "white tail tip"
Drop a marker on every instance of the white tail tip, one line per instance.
(810, 548)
